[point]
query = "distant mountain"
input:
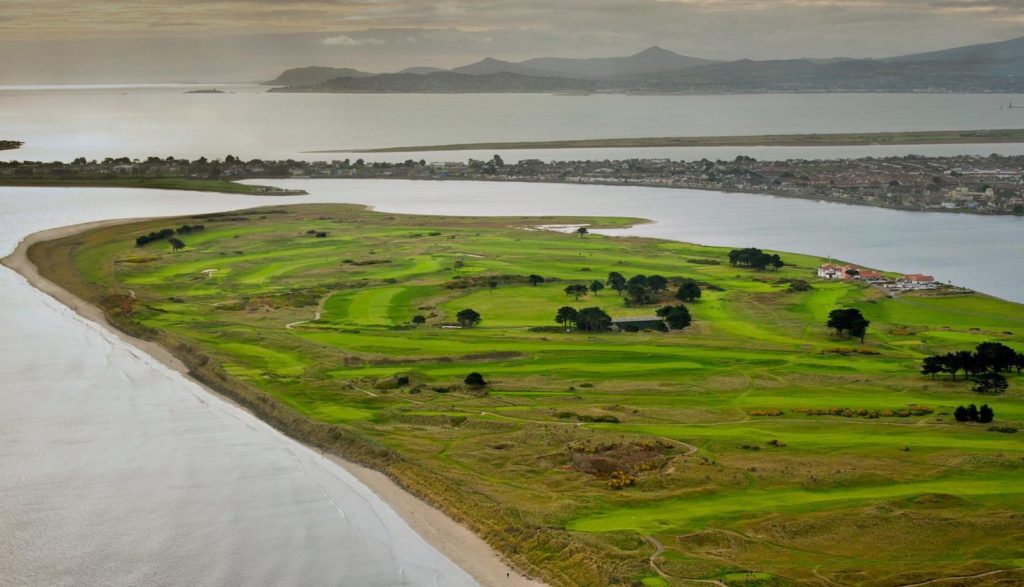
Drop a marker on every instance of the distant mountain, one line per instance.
(488, 66)
(308, 76)
(652, 60)
(992, 67)
(446, 82)
(421, 70)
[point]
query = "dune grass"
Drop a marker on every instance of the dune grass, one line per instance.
(732, 477)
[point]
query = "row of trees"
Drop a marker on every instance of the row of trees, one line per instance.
(755, 258)
(988, 357)
(972, 413)
(167, 233)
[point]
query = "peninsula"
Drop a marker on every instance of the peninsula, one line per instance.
(601, 410)
(8, 145)
(940, 137)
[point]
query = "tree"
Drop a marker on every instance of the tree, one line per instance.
(616, 281)
(566, 316)
(689, 291)
(637, 294)
(995, 356)
(850, 321)
(492, 285)
(990, 383)
(419, 319)
(657, 283)
(582, 231)
(468, 318)
(960, 414)
(593, 320)
(972, 413)
(535, 279)
(475, 379)
(932, 365)
(176, 244)
(677, 317)
(577, 289)
(985, 414)
(596, 286)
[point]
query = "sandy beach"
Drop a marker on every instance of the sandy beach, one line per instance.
(452, 539)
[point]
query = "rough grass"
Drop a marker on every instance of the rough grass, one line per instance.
(772, 494)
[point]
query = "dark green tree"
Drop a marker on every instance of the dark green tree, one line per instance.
(582, 231)
(985, 414)
(931, 366)
(689, 291)
(577, 289)
(535, 279)
(475, 379)
(849, 321)
(468, 318)
(616, 281)
(566, 316)
(657, 283)
(593, 320)
(419, 319)
(677, 317)
(990, 383)
(961, 415)
(596, 286)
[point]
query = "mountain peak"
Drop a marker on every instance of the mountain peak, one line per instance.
(655, 50)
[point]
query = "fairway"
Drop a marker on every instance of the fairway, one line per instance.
(753, 447)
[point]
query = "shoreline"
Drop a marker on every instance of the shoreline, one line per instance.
(452, 539)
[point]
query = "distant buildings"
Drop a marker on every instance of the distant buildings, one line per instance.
(913, 281)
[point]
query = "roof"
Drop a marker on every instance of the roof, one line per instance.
(918, 277)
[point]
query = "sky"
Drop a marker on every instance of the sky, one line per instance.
(61, 41)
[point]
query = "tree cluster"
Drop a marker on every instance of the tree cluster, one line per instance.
(985, 365)
(972, 413)
(755, 258)
(639, 289)
(586, 320)
(167, 233)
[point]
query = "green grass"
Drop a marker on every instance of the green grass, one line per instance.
(751, 505)
(161, 183)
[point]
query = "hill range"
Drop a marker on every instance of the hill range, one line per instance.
(992, 67)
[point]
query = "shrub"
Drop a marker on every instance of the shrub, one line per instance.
(475, 379)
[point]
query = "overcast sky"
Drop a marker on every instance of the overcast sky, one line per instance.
(48, 41)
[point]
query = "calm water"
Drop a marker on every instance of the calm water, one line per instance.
(140, 121)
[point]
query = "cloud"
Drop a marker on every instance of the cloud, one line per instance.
(347, 41)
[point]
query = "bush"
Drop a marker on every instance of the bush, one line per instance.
(475, 379)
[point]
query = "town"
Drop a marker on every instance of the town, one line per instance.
(971, 184)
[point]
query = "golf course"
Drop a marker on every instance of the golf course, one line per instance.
(752, 446)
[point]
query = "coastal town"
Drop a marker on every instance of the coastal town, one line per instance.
(967, 184)
(891, 284)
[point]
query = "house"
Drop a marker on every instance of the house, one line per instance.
(871, 276)
(830, 271)
(918, 278)
(636, 324)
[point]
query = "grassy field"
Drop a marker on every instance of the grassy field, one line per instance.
(161, 183)
(735, 481)
(795, 140)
